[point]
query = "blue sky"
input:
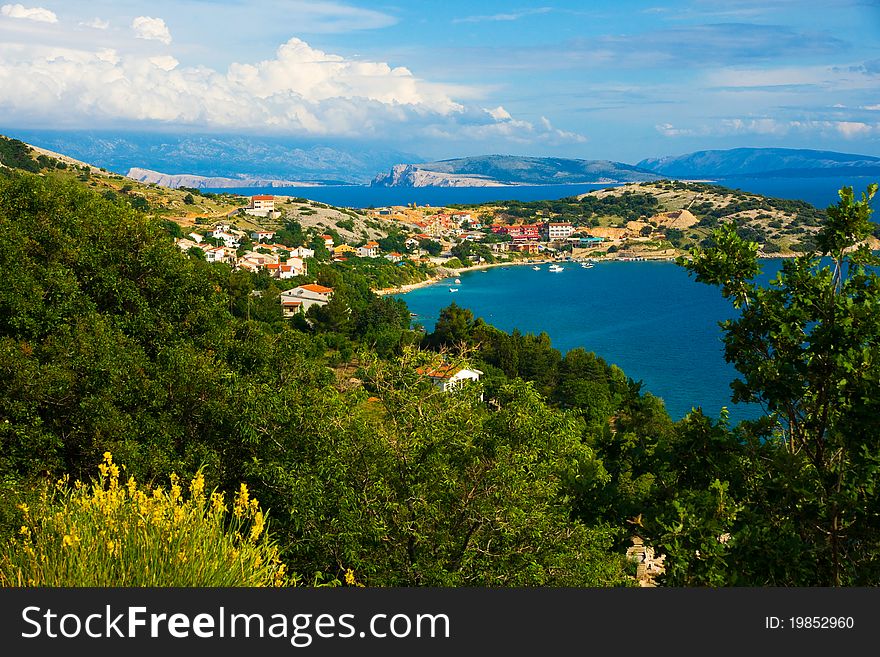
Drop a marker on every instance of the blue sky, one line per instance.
(622, 80)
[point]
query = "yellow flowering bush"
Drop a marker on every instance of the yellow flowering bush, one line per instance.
(111, 534)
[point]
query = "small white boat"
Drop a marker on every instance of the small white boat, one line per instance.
(587, 265)
(453, 289)
(536, 268)
(457, 281)
(556, 268)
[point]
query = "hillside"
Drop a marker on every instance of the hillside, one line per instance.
(762, 162)
(185, 206)
(498, 170)
(664, 219)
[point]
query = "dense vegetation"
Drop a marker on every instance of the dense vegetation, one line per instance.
(112, 340)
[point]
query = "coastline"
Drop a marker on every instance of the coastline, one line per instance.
(452, 273)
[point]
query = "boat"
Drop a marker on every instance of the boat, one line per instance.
(587, 265)
(457, 281)
(536, 268)
(556, 268)
(453, 289)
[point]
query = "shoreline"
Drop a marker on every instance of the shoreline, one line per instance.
(453, 273)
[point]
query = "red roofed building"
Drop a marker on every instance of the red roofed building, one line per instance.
(368, 250)
(261, 206)
(307, 296)
(448, 377)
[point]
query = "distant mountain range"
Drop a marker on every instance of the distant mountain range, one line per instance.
(762, 162)
(502, 170)
(242, 161)
(226, 156)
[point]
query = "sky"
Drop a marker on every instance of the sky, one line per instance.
(622, 80)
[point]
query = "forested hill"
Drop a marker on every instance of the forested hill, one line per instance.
(494, 170)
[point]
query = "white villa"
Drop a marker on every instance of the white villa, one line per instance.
(300, 299)
(262, 206)
(448, 377)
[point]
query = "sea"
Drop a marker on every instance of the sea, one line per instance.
(649, 318)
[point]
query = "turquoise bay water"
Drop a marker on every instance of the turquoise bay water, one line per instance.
(649, 318)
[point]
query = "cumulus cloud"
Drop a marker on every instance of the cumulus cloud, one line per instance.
(300, 91)
(153, 29)
(30, 13)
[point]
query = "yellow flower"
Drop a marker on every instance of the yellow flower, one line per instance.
(197, 486)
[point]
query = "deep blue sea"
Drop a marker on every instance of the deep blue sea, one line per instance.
(821, 192)
(649, 318)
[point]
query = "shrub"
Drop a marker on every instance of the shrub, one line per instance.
(107, 534)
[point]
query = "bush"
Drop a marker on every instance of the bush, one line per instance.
(104, 534)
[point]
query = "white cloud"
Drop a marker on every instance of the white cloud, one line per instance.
(499, 113)
(510, 16)
(766, 126)
(300, 91)
(164, 62)
(153, 29)
(97, 23)
(30, 13)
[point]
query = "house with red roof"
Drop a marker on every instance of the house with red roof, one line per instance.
(262, 206)
(449, 377)
(369, 250)
(300, 299)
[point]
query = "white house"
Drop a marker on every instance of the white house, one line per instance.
(448, 377)
(262, 235)
(369, 250)
(300, 299)
(328, 241)
(215, 254)
(558, 230)
(411, 243)
(394, 257)
(195, 237)
(231, 241)
(262, 206)
(302, 252)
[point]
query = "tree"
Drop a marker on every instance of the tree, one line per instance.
(189, 199)
(808, 349)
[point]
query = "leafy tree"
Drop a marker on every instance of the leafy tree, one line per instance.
(432, 247)
(808, 348)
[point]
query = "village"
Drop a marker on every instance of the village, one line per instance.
(446, 240)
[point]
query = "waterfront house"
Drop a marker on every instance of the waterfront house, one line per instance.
(558, 230)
